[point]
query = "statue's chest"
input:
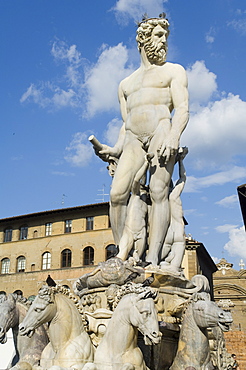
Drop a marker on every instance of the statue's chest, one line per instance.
(148, 79)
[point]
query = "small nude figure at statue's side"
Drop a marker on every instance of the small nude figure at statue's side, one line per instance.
(147, 98)
(135, 229)
(174, 244)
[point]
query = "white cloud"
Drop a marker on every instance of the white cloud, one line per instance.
(90, 89)
(228, 202)
(36, 94)
(79, 151)
(225, 228)
(216, 133)
(135, 9)
(209, 39)
(71, 57)
(210, 36)
(238, 25)
(102, 80)
(112, 133)
(68, 93)
(235, 174)
(202, 83)
(236, 245)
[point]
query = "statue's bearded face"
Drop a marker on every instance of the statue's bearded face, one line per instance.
(156, 45)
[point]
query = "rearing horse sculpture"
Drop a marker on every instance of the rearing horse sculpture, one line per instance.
(193, 347)
(118, 348)
(12, 312)
(70, 345)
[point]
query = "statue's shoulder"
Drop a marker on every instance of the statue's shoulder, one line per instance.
(173, 67)
(175, 72)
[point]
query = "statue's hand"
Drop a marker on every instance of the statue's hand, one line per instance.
(104, 152)
(168, 149)
(108, 153)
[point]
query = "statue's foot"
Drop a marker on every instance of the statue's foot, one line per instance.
(166, 266)
(143, 263)
(152, 268)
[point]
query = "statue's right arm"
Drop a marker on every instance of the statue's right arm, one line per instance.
(117, 149)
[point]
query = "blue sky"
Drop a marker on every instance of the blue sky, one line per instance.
(61, 63)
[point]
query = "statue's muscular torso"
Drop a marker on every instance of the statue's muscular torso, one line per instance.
(148, 98)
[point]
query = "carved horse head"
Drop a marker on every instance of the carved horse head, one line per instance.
(9, 316)
(207, 313)
(143, 316)
(42, 310)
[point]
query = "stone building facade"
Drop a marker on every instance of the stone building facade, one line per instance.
(230, 294)
(64, 243)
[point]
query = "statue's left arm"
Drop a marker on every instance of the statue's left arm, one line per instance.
(179, 96)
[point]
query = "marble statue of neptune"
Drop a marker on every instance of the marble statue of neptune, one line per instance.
(154, 108)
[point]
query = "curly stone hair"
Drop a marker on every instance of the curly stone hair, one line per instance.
(146, 27)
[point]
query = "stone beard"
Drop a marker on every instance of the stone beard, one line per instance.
(156, 53)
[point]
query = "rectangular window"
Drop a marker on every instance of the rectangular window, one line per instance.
(68, 226)
(89, 223)
(23, 232)
(8, 235)
(48, 228)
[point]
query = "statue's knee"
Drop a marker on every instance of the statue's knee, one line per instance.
(158, 194)
(128, 366)
(117, 198)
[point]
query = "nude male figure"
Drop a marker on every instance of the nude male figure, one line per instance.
(147, 98)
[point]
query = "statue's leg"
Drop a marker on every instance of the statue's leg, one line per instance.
(129, 163)
(178, 249)
(160, 213)
(126, 244)
(140, 244)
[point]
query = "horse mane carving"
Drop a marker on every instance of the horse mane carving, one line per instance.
(61, 289)
(132, 288)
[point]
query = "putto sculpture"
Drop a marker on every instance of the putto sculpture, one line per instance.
(154, 108)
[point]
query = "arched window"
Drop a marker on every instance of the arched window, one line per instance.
(21, 264)
(23, 232)
(88, 256)
(111, 251)
(5, 265)
(46, 260)
(66, 258)
(8, 234)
